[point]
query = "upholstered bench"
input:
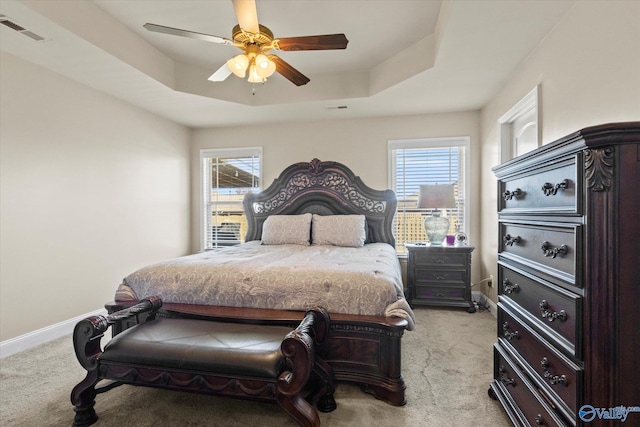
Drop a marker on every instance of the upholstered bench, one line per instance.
(248, 361)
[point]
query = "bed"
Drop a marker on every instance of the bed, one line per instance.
(345, 263)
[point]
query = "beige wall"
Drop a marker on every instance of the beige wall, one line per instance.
(359, 143)
(91, 189)
(588, 69)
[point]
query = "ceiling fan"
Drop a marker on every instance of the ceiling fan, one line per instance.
(256, 41)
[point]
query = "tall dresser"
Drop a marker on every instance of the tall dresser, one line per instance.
(568, 348)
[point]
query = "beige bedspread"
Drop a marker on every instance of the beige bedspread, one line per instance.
(363, 280)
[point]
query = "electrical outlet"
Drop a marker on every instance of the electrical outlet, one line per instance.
(490, 282)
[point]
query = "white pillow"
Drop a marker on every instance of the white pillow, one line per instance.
(286, 229)
(339, 230)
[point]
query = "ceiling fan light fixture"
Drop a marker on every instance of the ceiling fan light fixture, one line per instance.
(254, 76)
(256, 41)
(265, 67)
(238, 65)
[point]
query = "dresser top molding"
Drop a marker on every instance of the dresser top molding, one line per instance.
(594, 137)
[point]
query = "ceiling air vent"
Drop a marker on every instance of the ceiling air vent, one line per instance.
(4, 20)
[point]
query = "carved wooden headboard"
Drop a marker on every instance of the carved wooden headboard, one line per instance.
(324, 188)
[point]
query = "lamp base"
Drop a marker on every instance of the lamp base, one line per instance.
(436, 228)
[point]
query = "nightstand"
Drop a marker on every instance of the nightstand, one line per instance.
(439, 276)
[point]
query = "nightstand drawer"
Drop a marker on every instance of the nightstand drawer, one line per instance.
(545, 190)
(554, 373)
(440, 277)
(451, 293)
(521, 394)
(554, 311)
(550, 249)
(439, 259)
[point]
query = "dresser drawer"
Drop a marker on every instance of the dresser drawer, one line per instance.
(527, 403)
(551, 189)
(552, 310)
(444, 293)
(440, 277)
(552, 371)
(551, 249)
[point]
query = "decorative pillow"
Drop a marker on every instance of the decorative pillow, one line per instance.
(339, 230)
(286, 229)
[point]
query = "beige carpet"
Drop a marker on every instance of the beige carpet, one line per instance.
(446, 362)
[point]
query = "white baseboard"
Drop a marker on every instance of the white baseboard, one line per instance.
(42, 336)
(480, 297)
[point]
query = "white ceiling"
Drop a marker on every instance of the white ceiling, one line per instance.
(403, 57)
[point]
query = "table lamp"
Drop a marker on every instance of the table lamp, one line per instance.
(436, 197)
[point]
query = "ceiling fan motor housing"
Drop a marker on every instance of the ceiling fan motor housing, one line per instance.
(264, 37)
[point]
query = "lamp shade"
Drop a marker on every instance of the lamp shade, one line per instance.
(265, 67)
(238, 65)
(436, 197)
(254, 76)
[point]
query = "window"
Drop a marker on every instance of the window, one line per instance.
(227, 175)
(427, 161)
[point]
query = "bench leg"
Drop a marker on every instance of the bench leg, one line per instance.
(83, 398)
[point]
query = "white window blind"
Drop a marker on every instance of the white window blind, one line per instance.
(227, 175)
(427, 161)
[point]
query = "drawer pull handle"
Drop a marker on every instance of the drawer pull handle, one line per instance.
(510, 240)
(507, 333)
(508, 195)
(550, 189)
(551, 315)
(509, 287)
(553, 379)
(439, 260)
(506, 380)
(551, 252)
(539, 420)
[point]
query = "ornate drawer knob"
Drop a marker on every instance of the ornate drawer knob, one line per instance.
(508, 287)
(509, 240)
(553, 379)
(551, 315)
(551, 252)
(508, 195)
(504, 378)
(507, 333)
(550, 189)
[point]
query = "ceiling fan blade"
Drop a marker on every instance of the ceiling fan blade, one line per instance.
(221, 73)
(247, 15)
(323, 42)
(290, 73)
(185, 33)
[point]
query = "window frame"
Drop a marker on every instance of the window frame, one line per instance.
(207, 153)
(433, 143)
(527, 105)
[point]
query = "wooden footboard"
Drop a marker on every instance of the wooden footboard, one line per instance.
(367, 350)
(360, 349)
